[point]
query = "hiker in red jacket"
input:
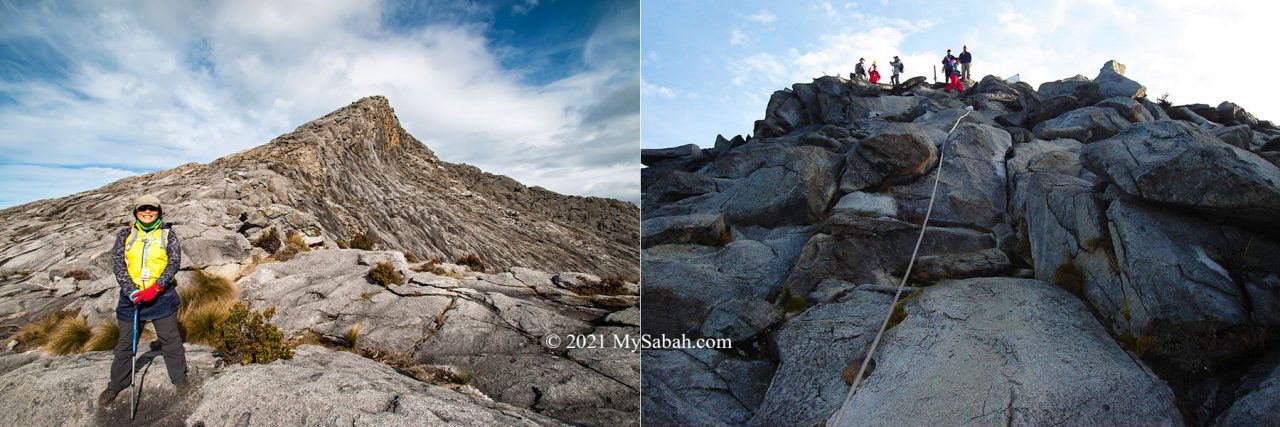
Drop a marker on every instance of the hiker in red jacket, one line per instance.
(954, 74)
(875, 75)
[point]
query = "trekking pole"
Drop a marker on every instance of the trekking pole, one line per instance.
(133, 368)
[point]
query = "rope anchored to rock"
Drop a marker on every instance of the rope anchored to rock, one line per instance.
(937, 176)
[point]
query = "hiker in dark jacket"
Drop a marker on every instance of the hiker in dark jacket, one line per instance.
(145, 259)
(948, 63)
(965, 59)
(859, 72)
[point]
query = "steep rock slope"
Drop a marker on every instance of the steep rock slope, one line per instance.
(1158, 218)
(539, 263)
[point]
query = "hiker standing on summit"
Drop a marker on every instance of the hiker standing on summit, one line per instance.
(965, 59)
(145, 259)
(948, 64)
(896, 66)
(953, 74)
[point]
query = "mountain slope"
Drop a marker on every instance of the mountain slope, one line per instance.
(353, 170)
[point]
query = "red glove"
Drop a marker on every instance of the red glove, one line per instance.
(148, 294)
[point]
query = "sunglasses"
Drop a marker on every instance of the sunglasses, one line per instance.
(147, 208)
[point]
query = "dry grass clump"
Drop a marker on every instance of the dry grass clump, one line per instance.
(104, 336)
(409, 256)
(435, 268)
(80, 275)
(205, 302)
(362, 241)
(206, 289)
(385, 274)
(268, 241)
(293, 245)
(472, 262)
(200, 325)
(353, 337)
(69, 337)
(432, 266)
(295, 239)
(612, 285)
(37, 333)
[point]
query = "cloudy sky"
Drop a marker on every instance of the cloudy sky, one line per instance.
(546, 92)
(710, 66)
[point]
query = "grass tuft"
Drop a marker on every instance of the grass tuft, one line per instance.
(353, 337)
(200, 324)
(37, 333)
(612, 285)
(295, 239)
(268, 241)
(69, 337)
(207, 289)
(1163, 102)
(385, 274)
(80, 275)
(294, 244)
(899, 310)
(472, 262)
(409, 256)
(104, 336)
(362, 241)
(205, 302)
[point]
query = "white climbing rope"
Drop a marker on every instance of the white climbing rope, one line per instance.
(937, 176)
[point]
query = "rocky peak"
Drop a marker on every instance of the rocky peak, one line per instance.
(548, 263)
(352, 171)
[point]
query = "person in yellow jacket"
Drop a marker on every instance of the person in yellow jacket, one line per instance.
(145, 258)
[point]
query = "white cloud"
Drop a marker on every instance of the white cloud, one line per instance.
(648, 89)
(847, 13)
(1015, 23)
(762, 17)
(737, 37)
(135, 100)
(524, 8)
(64, 180)
(761, 67)
(837, 54)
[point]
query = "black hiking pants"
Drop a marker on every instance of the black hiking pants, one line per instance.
(175, 358)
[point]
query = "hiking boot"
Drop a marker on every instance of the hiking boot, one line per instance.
(107, 397)
(186, 386)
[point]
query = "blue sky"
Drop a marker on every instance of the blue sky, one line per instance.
(710, 66)
(546, 92)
